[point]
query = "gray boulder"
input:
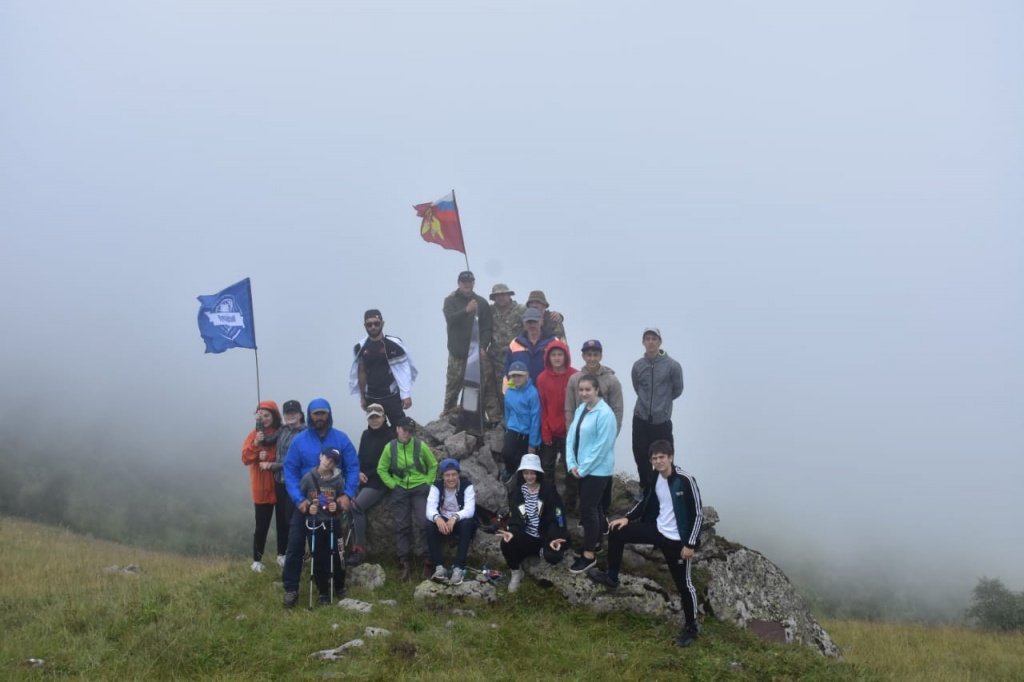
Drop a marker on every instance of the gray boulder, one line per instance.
(469, 589)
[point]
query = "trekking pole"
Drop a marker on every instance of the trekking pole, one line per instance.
(312, 556)
(331, 549)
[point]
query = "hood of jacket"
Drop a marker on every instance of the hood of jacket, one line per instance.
(557, 343)
(271, 407)
(319, 404)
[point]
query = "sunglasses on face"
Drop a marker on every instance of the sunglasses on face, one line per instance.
(372, 325)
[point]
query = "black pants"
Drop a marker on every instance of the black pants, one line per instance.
(324, 553)
(523, 546)
(264, 512)
(645, 433)
(592, 491)
(516, 445)
(282, 516)
(641, 533)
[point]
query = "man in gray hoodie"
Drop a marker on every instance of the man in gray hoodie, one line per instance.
(657, 380)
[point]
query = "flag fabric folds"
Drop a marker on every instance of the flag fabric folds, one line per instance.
(441, 223)
(225, 319)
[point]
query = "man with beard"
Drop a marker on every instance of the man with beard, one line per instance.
(303, 456)
(382, 370)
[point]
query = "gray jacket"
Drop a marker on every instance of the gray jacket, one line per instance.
(611, 391)
(657, 383)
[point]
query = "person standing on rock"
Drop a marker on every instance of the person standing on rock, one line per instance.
(462, 309)
(590, 456)
(669, 517)
(371, 488)
(408, 467)
(657, 380)
(535, 521)
(382, 370)
(508, 324)
(522, 419)
(551, 385)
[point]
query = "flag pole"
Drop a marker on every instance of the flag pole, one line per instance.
(459, 218)
(256, 353)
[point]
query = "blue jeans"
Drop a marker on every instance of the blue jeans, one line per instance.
(463, 531)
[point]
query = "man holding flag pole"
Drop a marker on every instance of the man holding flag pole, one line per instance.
(467, 316)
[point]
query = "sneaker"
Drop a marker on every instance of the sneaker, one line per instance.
(515, 580)
(324, 600)
(582, 564)
(428, 569)
(290, 599)
(602, 578)
(257, 567)
(458, 574)
(356, 557)
(280, 560)
(506, 475)
(686, 637)
(440, 575)
(403, 570)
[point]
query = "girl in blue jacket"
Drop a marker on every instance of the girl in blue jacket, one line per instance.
(522, 419)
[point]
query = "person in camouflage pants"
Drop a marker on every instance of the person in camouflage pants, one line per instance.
(508, 324)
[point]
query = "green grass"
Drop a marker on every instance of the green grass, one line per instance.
(186, 618)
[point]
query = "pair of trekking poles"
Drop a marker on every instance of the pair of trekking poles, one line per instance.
(338, 548)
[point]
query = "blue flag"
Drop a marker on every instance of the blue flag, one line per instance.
(225, 319)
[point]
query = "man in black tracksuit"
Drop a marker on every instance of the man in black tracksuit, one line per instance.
(669, 517)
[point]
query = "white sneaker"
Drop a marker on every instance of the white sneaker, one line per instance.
(440, 574)
(513, 583)
(257, 567)
(280, 560)
(457, 575)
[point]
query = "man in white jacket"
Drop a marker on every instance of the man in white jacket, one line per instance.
(382, 370)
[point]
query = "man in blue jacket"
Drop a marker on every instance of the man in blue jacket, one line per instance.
(669, 517)
(303, 456)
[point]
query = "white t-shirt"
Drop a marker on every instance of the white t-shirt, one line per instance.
(667, 525)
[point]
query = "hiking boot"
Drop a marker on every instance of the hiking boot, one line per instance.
(290, 600)
(339, 593)
(582, 564)
(357, 556)
(513, 583)
(602, 578)
(280, 560)
(428, 569)
(324, 600)
(440, 575)
(686, 637)
(403, 570)
(458, 575)
(257, 567)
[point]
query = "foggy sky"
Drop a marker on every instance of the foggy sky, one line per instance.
(819, 205)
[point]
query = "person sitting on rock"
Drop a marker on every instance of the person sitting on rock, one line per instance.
(669, 517)
(372, 490)
(535, 521)
(451, 506)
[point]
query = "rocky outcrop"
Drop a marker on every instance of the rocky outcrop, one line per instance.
(733, 582)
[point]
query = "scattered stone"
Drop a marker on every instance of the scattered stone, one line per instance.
(404, 649)
(736, 665)
(336, 653)
(241, 616)
(377, 632)
(334, 627)
(34, 663)
(130, 569)
(355, 605)
(449, 623)
(468, 613)
(467, 590)
(370, 576)
(388, 602)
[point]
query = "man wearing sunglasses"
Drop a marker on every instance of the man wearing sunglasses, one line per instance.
(382, 370)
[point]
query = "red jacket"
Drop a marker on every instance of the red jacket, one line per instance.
(551, 388)
(262, 480)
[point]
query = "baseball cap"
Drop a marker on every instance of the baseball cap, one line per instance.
(532, 314)
(466, 276)
(652, 330)
(448, 464)
(291, 406)
(406, 423)
(518, 367)
(374, 409)
(592, 344)
(372, 313)
(333, 453)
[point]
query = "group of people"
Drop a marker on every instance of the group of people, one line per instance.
(556, 418)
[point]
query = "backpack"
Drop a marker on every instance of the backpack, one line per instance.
(417, 461)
